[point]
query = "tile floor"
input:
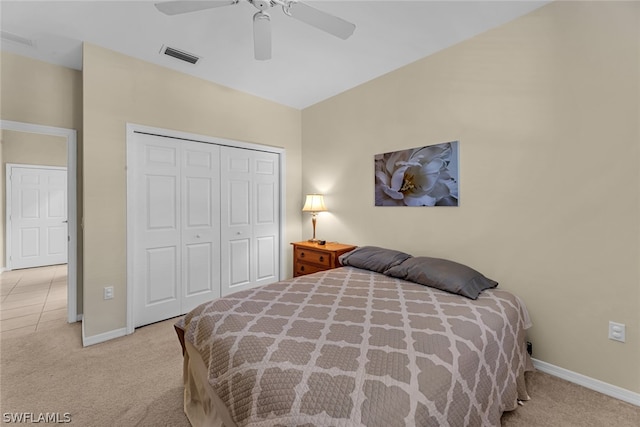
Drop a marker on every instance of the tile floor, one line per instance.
(32, 299)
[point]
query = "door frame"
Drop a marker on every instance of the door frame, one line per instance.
(70, 135)
(132, 129)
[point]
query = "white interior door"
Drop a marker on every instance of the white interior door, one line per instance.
(250, 194)
(37, 216)
(176, 255)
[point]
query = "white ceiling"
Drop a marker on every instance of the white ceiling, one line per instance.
(307, 66)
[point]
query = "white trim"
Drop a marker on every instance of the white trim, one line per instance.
(72, 211)
(136, 128)
(588, 382)
(132, 127)
(105, 336)
(283, 210)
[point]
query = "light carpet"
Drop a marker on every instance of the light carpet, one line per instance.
(137, 381)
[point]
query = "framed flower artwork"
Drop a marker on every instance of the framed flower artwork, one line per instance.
(423, 176)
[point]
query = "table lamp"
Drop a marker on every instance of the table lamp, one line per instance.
(314, 204)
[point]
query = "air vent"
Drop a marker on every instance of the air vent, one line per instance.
(180, 54)
(17, 39)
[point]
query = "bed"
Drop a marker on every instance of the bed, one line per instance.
(366, 344)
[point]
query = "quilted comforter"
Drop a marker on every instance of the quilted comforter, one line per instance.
(351, 347)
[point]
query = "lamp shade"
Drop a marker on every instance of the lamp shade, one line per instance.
(314, 203)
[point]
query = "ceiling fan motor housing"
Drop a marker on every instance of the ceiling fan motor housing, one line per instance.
(262, 4)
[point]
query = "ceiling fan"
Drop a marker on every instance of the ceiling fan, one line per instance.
(262, 21)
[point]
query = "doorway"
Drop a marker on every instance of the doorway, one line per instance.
(70, 138)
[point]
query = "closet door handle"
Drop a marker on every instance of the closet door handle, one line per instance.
(197, 236)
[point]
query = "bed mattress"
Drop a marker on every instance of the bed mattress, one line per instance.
(352, 347)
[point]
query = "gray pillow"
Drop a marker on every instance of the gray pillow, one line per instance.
(373, 258)
(444, 275)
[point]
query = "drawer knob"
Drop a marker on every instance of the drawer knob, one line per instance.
(302, 268)
(321, 258)
(301, 254)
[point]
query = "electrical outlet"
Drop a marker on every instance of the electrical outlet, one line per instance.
(108, 292)
(617, 331)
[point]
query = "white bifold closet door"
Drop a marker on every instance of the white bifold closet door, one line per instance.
(250, 194)
(203, 227)
(176, 257)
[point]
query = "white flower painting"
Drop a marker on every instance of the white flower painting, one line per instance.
(424, 176)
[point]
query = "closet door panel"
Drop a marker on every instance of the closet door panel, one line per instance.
(266, 250)
(239, 203)
(239, 263)
(266, 226)
(161, 275)
(197, 269)
(200, 229)
(237, 242)
(157, 232)
(250, 225)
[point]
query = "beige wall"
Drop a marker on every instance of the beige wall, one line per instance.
(546, 109)
(546, 112)
(33, 149)
(120, 89)
(43, 94)
(40, 93)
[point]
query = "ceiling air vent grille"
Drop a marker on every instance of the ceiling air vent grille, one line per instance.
(180, 54)
(17, 39)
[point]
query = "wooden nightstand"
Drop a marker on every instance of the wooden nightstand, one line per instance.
(309, 257)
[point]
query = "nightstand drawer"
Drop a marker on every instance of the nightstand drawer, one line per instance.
(301, 269)
(311, 257)
(314, 257)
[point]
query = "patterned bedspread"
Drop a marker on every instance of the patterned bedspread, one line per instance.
(350, 347)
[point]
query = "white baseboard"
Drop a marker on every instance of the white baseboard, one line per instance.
(588, 382)
(106, 336)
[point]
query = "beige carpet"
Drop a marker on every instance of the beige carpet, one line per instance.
(137, 381)
(130, 381)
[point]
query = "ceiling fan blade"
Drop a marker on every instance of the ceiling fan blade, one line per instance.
(262, 36)
(178, 7)
(322, 20)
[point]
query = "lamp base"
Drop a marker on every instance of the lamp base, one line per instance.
(318, 242)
